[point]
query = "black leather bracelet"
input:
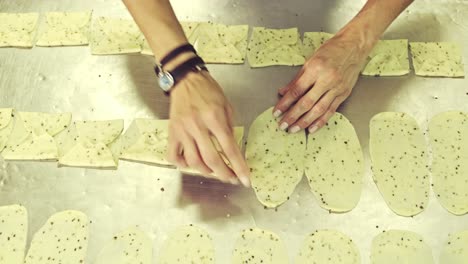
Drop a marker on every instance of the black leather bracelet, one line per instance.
(176, 52)
(168, 79)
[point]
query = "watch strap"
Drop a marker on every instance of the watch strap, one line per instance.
(176, 52)
(193, 64)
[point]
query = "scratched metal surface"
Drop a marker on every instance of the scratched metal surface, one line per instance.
(159, 199)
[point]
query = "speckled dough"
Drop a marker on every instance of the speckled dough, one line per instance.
(115, 36)
(188, 244)
(397, 246)
(312, 41)
(328, 247)
(63, 239)
(13, 234)
(455, 250)
(449, 141)
(334, 165)
(65, 29)
(258, 246)
(130, 246)
(388, 58)
(275, 158)
(443, 59)
(399, 162)
(6, 126)
(18, 29)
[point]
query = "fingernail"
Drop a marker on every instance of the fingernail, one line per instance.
(283, 126)
(245, 181)
(313, 129)
(294, 129)
(234, 181)
(277, 113)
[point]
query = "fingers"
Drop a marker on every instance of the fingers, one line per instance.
(321, 121)
(296, 91)
(282, 91)
(193, 157)
(318, 110)
(229, 146)
(175, 148)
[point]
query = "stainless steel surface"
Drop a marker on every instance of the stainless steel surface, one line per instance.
(159, 199)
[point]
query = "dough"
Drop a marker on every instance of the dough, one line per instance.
(188, 244)
(269, 47)
(313, 40)
(88, 144)
(399, 162)
(397, 246)
(335, 165)
(13, 234)
(218, 43)
(388, 58)
(275, 158)
(328, 246)
(449, 140)
(18, 29)
(455, 250)
(442, 59)
(6, 126)
(32, 136)
(115, 36)
(63, 239)
(130, 246)
(65, 29)
(259, 246)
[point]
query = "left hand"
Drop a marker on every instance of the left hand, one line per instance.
(323, 83)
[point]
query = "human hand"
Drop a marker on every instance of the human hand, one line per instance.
(323, 83)
(198, 111)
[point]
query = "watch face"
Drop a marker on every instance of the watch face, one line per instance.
(166, 81)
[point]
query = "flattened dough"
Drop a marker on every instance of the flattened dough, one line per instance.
(13, 234)
(313, 40)
(328, 247)
(130, 246)
(63, 239)
(88, 144)
(65, 29)
(455, 250)
(18, 29)
(32, 137)
(275, 158)
(6, 126)
(335, 165)
(218, 43)
(259, 246)
(397, 246)
(269, 47)
(442, 59)
(449, 140)
(188, 244)
(115, 36)
(388, 58)
(399, 162)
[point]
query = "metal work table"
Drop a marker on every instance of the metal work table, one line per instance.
(158, 199)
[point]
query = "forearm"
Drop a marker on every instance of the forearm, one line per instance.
(158, 23)
(372, 21)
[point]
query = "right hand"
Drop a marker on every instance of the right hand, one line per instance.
(198, 111)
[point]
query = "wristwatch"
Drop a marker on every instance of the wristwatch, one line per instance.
(168, 79)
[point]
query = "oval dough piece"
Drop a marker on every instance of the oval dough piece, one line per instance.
(399, 162)
(131, 246)
(449, 141)
(188, 244)
(13, 234)
(335, 165)
(275, 159)
(455, 250)
(259, 246)
(398, 246)
(62, 240)
(328, 246)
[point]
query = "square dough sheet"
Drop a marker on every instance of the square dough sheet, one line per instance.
(268, 47)
(313, 40)
(65, 29)
(115, 36)
(18, 29)
(218, 43)
(437, 59)
(6, 125)
(388, 58)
